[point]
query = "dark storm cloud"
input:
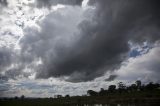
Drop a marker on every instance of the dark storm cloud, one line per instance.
(143, 15)
(48, 3)
(103, 40)
(46, 44)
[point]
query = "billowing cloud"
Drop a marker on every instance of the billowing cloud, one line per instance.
(82, 49)
(57, 34)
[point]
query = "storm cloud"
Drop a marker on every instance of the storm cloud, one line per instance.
(86, 48)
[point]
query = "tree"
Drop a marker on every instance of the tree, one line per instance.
(67, 96)
(59, 96)
(102, 92)
(91, 93)
(112, 88)
(138, 83)
(16, 97)
(22, 97)
(133, 87)
(121, 86)
(151, 86)
(102, 89)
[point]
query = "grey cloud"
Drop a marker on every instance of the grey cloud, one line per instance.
(16, 72)
(4, 86)
(48, 3)
(3, 2)
(5, 58)
(92, 55)
(99, 45)
(12, 64)
(56, 36)
(111, 78)
(142, 15)
(3, 78)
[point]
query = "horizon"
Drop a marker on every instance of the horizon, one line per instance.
(137, 86)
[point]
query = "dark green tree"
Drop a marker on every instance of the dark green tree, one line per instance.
(112, 88)
(92, 93)
(67, 96)
(102, 92)
(138, 83)
(121, 87)
(22, 97)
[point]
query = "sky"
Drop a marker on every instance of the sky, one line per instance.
(51, 47)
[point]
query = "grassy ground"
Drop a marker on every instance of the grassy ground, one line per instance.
(80, 101)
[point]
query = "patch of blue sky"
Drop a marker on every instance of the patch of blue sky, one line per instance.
(140, 49)
(134, 53)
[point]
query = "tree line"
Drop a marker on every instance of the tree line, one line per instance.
(122, 88)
